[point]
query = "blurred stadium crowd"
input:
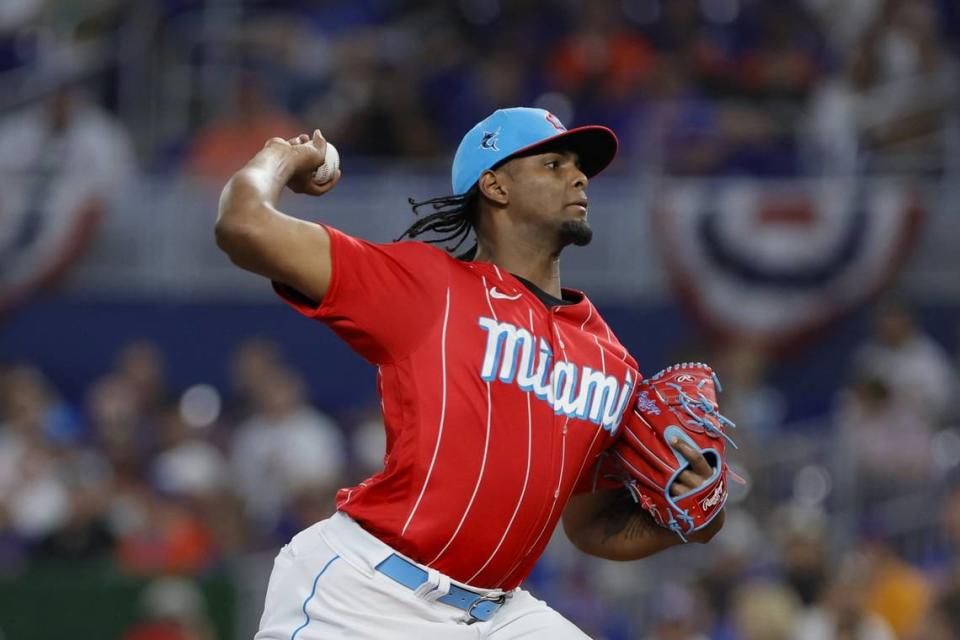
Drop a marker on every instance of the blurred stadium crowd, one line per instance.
(166, 482)
(854, 533)
(705, 86)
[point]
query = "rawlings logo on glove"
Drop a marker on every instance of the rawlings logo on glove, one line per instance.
(675, 417)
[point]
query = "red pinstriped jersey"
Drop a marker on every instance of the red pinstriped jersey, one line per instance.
(496, 407)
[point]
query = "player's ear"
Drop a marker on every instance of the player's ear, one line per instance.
(492, 186)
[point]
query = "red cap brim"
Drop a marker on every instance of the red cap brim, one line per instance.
(595, 145)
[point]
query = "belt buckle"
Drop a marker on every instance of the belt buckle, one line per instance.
(500, 599)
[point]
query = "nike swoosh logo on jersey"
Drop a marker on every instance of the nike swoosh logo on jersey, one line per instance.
(502, 296)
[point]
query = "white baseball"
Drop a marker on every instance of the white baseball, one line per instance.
(328, 169)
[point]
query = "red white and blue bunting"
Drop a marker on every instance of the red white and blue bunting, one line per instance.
(773, 261)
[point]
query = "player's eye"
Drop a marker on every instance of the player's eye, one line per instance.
(553, 164)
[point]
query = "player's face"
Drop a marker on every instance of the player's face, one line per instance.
(548, 192)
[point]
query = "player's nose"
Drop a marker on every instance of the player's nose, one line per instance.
(580, 179)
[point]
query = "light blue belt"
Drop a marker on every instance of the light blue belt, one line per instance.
(478, 606)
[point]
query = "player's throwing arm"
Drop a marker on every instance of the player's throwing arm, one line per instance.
(257, 236)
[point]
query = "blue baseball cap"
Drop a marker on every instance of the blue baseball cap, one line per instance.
(509, 132)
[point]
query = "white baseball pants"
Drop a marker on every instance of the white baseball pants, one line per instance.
(324, 585)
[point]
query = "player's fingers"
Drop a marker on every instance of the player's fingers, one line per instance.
(300, 139)
(319, 141)
(683, 484)
(697, 462)
(315, 189)
(330, 184)
(275, 141)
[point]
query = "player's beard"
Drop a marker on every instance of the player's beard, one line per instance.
(576, 232)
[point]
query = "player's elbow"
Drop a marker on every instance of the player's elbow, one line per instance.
(576, 534)
(230, 235)
(582, 532)
(237, 239)
(236, 228)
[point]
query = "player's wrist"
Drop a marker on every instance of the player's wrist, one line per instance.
(275, 163)
(268, 173)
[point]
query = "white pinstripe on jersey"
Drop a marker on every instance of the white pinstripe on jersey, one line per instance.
(526, 478)
(556, 492)
(443, 412)
(486, 445)
(587, 319)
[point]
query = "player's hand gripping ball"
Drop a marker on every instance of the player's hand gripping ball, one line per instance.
(326, 172)
(679, 403)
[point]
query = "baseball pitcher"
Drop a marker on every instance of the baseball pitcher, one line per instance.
(505, 397)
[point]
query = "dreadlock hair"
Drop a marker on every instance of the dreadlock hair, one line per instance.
(454, 217)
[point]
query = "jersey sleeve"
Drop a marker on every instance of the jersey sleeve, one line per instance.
(382, 299)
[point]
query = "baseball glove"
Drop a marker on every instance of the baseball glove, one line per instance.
(679, 402)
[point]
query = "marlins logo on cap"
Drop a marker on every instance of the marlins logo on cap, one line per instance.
(509, 132)
(489, 140)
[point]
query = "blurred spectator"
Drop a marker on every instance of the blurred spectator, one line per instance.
(602, 64)
(187, 465)
(782, 64)
(16, 18)
(223, 516)
(348, 90)
(86, 534)
(943, 621)
(460, 88)
(32, 404)
(142, 364)
(842, 612)
(887, 442)
(251, 362)
(171, 609)
(951, 528)
(900, 53)
(68, 137)
(845, 21)
(897, 95)
(804, 552)
(169, 537)
(391, 121)
(739, 550)
(771, 80)
(285, 447)
(54, 495)
(32, 492)
(63, 162)
(682, 128)
(764, 611)
(228, 140)
(908, 363)
(896, 591)
(675, 614)
(747, 395)
(121, 431)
